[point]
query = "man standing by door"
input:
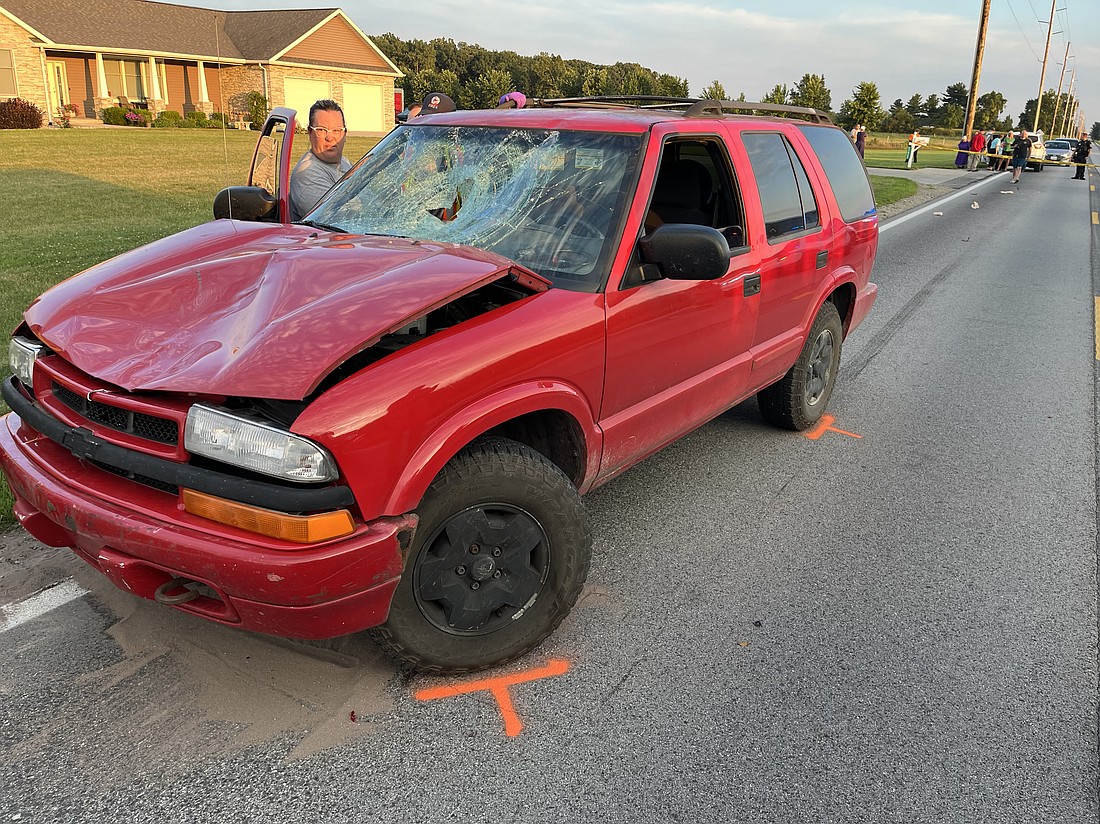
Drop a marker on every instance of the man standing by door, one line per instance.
(324, 163)
(1081, 156)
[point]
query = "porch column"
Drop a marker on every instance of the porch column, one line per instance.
(203, 102)
(156, 101)
(103, 97)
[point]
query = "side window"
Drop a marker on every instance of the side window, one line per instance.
(7, 74)
(695, 184)
(785, 192)
(844, 170)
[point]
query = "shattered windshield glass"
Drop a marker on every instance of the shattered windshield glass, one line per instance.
(550, 200)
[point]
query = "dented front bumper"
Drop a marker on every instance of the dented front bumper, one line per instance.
(143, 541)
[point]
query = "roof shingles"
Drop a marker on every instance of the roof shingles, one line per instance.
(147, 26)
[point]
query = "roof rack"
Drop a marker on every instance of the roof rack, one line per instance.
(689, 106)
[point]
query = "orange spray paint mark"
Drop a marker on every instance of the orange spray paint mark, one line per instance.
(498, 688)
(826, 425)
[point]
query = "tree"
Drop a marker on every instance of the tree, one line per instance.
(988, 112)
(811, 91)
(714, 91)
(672, 86)
(778, 95)
(957, 94)
(899, 122)
(915, 105)
(1046, 114)
(863, 107)
(1095, 133)
(485, 90)
(932, 106)
(952, 116)
(549, 76)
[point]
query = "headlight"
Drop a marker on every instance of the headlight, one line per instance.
(22, 354)
(259, 447)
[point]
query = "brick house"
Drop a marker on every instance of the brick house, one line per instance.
(91, 53)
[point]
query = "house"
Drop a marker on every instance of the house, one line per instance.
(99, 53)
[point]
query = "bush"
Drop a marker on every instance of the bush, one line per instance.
(257, 109)
(218, 120)
(114, 116)
(195, 120)
(168, 119)
(16, 113)
(135, 118)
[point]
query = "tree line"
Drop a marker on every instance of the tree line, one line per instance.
(476, 77)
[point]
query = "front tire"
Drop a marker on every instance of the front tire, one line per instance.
(498, 560)
(798, 400)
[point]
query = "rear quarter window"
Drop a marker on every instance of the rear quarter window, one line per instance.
(845, 172)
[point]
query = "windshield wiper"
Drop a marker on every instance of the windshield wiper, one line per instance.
(328, 227)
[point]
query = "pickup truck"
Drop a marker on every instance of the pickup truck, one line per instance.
(385, 416)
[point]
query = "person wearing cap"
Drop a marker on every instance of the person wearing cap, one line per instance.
(324, 163)
(435, 103)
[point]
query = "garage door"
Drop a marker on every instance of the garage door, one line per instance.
(301, 94)
(363, 107)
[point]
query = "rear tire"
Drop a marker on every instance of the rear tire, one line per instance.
(798, 400)
(499, 557)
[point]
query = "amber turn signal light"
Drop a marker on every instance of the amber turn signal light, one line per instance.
(301, 529)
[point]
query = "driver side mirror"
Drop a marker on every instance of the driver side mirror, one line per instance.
(246, 203)
(685, 251)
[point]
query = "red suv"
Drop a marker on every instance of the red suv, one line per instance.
(385, 415)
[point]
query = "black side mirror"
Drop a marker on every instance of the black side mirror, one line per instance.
(685, 251)
(246, 203)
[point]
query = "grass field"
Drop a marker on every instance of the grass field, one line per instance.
(76, 197)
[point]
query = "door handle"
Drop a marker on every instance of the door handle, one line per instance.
(822, 259)
(752, 284)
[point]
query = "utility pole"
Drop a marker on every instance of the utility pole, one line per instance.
(1043, 74)
(979, 50)
(1069, 100)
(1058, 96)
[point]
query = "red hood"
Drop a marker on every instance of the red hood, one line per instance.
(254, 310)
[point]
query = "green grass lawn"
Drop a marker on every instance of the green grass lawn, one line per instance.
(892, 189)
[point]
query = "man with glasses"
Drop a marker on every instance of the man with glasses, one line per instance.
(324, 163)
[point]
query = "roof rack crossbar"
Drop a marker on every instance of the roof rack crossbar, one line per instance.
(688, 106)
(710, 108)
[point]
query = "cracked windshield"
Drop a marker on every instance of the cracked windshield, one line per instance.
(549, 200)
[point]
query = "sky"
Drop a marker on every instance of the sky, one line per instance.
(905, 48)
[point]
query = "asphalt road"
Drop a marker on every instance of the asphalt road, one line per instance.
(893, 622)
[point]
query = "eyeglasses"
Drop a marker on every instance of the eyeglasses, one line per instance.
(321, 131)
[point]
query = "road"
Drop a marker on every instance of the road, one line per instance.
(895, 621)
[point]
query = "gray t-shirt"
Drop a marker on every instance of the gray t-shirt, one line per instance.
(309, 181)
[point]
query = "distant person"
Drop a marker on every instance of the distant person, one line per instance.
(914, 146)
(1021, 153)
(855, 131)
(1006, 151)
(961, 155)
(861, 140)
(324, 163)
(1081, 156)
(977, 147)
(992, 149)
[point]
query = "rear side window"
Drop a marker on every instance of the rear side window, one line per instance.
(843, 169)
(785, 191)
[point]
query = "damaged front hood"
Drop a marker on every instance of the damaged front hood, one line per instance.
(253, 310)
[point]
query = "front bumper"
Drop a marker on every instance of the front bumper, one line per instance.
(141, 540)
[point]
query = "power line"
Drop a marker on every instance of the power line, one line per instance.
(1021, 28)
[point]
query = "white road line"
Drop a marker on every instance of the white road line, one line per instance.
(935, 204)
(12, 615)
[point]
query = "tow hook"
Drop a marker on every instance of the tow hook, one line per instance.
(164, 594)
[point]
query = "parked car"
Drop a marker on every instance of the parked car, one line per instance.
(385, 416)
(1059, 150)
(1038, 152)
